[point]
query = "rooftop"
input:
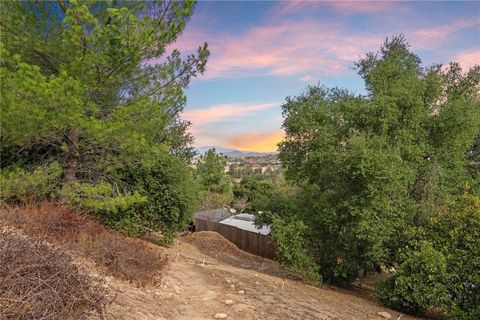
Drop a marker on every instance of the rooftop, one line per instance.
(245, 221)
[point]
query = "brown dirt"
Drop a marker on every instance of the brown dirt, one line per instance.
(205, 270)
(214, 245)
(213, 242)
(194, 288)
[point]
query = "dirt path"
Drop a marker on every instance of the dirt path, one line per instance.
(190, 290)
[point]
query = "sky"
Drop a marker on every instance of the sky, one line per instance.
(265, 51)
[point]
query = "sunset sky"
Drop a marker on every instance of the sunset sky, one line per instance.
(262, 52)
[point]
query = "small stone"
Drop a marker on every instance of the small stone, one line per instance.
(228, 281)
(385, 315)
(220, 316)
(256, 274)
(228, 302)
(241, 291)
(232, 286)
(256, 282)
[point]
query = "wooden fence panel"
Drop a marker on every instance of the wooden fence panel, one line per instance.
(252, 242)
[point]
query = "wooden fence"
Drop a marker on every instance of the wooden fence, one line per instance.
(256, 243)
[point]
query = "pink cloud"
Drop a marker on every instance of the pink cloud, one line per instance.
(434, 37)
(283, 49)
(307, 48)
(363, 6)
(344, 7)
(221, 112)
(468, 59)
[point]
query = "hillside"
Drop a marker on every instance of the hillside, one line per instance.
(206, 276)
(233, 153)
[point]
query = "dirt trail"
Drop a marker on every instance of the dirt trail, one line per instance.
(190, 290)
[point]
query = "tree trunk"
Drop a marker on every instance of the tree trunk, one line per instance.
(72, 156)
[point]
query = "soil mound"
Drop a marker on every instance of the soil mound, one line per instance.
(214, 243)
(216, 246)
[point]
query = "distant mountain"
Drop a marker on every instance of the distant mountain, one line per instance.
(233, 152)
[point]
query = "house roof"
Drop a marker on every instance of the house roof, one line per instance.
(245, 221)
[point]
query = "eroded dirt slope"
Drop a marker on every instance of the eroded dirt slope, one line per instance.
(228, 283)
(206, 276)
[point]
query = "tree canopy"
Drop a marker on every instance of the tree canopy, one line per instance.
(371, 166)
(97, 88)
(215, 184)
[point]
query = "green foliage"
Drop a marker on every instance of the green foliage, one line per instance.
(100, 198)
(291, 248)
(256, 191)
(440, 268)
(211, 172)
(18, 185)
(371, 166)
(215, 184)
(171, 195)
(417, 284)
(90, 86)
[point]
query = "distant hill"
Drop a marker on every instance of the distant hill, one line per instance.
(233, 152)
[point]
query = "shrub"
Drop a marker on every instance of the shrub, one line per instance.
(440, 269)
(418, 282)
(99, 198)
(289, 238)
(170, 193)
(19, 185)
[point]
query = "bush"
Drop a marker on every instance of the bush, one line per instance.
(289, 238)
(418, 282)
(170, 193)
(18, 185)
(163, 198)
(99, 198)
(125, 258)
(440, 269)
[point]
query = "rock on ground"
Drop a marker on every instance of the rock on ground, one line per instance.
(385, 315)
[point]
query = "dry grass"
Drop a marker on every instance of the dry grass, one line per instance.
(126, 258)
(39, 281)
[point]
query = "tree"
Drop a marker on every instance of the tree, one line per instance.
(370, 166)
(211, 176)
(90, 85)
(255, 190)
(440, 267)
(263, 193)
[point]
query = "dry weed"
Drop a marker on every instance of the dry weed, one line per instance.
(39, 281)
(127, 258)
